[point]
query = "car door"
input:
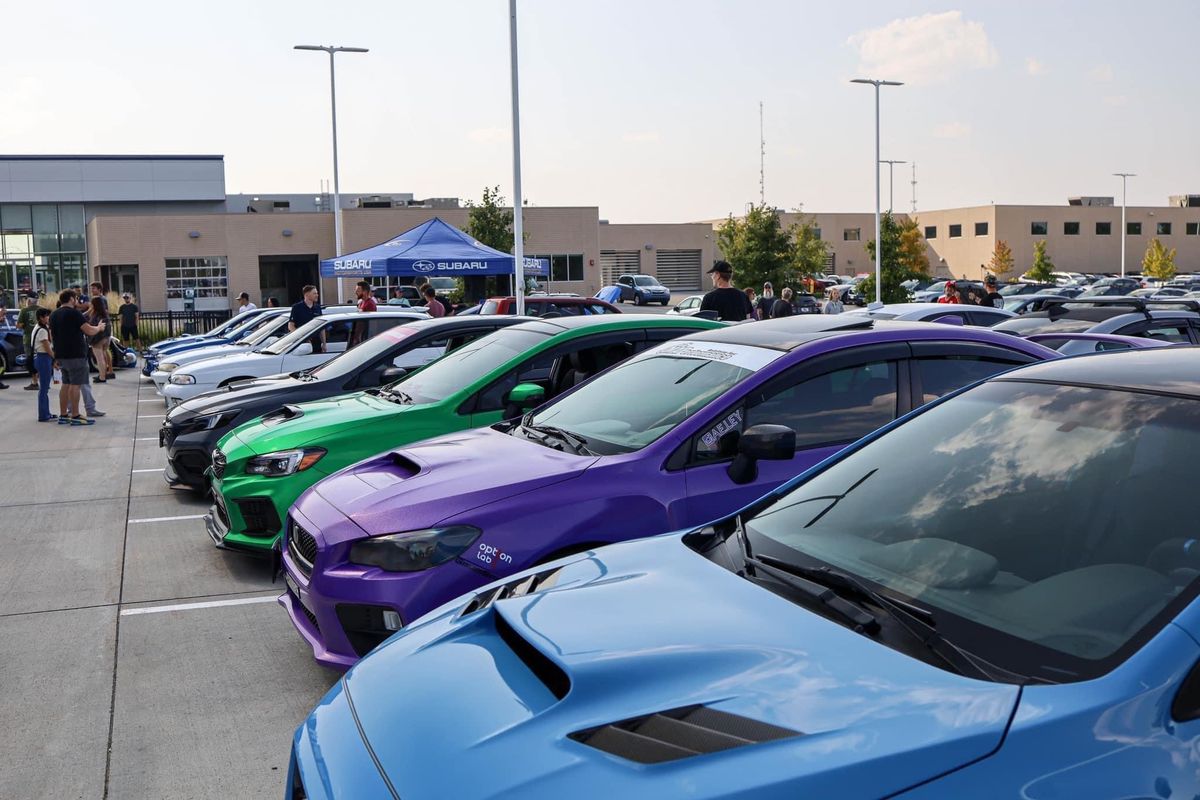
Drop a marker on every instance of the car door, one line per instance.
(1175, 331)
(939, 368)
(829, 402)
(337, 339)
(625, 282)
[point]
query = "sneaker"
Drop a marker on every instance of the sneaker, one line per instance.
(64, 420)
(95, 413)
(31, 387)
(97, 380)
(50, 418)
(82, 421)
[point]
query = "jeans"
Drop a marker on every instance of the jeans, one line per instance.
(45, 372)
(89, 399)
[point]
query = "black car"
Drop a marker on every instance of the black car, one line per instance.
(191, 430)
(1112, 287)
(1015, 289)
(1175, 321)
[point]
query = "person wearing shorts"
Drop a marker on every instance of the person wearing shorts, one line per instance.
(67, 331)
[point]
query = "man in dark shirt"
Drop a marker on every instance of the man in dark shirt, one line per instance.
(992, 297)
(26, 321)
(67, 331)
(306, 311)
(129, 318)
(731, 304)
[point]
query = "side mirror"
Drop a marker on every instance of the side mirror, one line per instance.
(522, 398)
(391, 375)
(761, 442)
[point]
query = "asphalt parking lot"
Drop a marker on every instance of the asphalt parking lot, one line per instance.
(140, 661)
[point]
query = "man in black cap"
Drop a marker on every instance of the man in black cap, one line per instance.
(991, 297)
(731, 304)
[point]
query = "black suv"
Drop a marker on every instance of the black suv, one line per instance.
(1176, 321)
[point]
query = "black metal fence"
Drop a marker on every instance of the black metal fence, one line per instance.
(154, 326)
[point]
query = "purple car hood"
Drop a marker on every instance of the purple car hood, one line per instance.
(423, 484)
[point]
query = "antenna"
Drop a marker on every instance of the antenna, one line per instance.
(914, 187)
(762, 159)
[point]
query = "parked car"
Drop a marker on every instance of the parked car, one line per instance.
(850, 294)
(275, 458)
(556, 304)
(221, 331)
(1016, 289)
(1173, 321)
(251, 328)
(472, 506)
(294, 352)
(1077, 344)
(964, 313)
(192, 429)
(901, 605)
(266, 330)
(1025, 303)
(935, 290)
(1112, 287)
(643, 289)
(688, 306)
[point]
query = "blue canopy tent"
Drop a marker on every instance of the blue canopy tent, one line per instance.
(432, 248)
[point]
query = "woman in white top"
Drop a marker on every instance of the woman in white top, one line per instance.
(43, 362)
(834, 304)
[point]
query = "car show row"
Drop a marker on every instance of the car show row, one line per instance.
(888, 552)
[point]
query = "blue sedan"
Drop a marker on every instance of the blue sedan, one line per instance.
(989, 617)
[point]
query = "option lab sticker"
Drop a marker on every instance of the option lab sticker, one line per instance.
(740, 355)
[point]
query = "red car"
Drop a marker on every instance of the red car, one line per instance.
(541, 305)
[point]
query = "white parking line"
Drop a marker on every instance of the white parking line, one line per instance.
(151, 400)
(147, 439)
(155, 469)
(151, 416)
(241, 601)
(165, 519)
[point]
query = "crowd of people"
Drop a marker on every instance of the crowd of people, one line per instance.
(737, 305)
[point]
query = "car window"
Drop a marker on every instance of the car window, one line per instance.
(596, 308)
(838, 406)
(942, 375)
(458, 370)
(1167, 333)
(560, 368)
(645, 281)
(963, 510)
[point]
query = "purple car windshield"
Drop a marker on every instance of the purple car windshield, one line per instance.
(671, 383)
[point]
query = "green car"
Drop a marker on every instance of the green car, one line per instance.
(259, 469)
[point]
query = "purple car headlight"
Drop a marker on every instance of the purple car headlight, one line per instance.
(413, 551)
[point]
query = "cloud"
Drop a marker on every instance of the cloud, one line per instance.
(1101, 72)
(1034, 67)
(640, 136)
(924, 49)
(952, 130)
(1116, 100)
(488, 135)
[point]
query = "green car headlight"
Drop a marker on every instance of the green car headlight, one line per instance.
(181, 379)
(285, 462)
(413, 551)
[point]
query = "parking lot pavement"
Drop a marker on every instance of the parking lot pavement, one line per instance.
(149, 663)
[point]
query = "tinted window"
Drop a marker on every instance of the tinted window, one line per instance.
(1168, 333)
(838, 406)
(646, 281)
(460, 369)
(371, 349)
(940, 376)
(962, 510)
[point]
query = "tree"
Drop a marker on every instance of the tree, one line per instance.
(1042, 270)
(810, 252)
(1159, 262)
(490, 222)
(1002, 259)
(902, 258)
(757, 247)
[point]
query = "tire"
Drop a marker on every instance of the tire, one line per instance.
(4, 365)
(664, 303)
(640, 300)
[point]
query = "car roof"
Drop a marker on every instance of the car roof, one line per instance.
(472, 321)
(790, 333)
(910, 308)
(341, 312)
(1166, 370)
(557, 325)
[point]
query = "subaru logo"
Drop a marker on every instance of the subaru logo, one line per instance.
(424, 266)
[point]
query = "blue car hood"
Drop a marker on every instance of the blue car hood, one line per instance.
(463, 705)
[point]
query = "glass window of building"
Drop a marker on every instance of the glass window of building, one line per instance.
(1133, 229)
(42, 248)
(955, 231)
(931, 231)
(1104, 229)
(981, 229)
(201, 282)
(1163, 229)
(851, 234)
(1070, 228)
(1039, 228)
(1191, 228)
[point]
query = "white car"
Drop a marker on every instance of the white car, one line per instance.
(266, 329)
(290, 354)
(688, 306)
(965, 313)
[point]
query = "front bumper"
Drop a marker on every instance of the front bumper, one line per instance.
(175, 393)
(256, 506)
(329, 758)
(189, 455)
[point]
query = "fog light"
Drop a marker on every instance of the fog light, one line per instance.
(391, 620)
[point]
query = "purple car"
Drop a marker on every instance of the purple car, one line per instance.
(686, 432)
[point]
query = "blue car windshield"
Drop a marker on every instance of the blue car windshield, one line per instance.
(1020, 515)
(634, 404)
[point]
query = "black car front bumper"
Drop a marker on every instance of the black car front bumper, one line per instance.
(189, 455)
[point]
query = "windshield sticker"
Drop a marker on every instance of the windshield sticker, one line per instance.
(397, 334)
(731, 423)
(739, 355)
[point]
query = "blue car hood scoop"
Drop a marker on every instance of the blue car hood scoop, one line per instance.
(726, 689)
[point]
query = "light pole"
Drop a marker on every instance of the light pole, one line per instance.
(1124, 176)
(518, 215)
(891, 181)
(337, 205)
(878, 244)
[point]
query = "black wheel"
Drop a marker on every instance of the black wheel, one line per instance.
(640, 300)
(4, 365)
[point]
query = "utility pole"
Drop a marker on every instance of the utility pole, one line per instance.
(762, 159)
(914, 187)
(1124, 176)
(876, 82)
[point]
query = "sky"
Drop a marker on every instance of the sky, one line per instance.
(648, 109)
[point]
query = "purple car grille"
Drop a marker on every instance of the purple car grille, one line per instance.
(302, 547)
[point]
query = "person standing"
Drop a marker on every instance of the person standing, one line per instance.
(752, 296)
(366, 300)
(730, 304)
(27, 321)
(305, 312)
(435, 307)
(782, 307)
(951, 295)
(100, 346)
(43, 362)
(272, 302)
(991, 297)
(246, 305)
(67, 331)
(130, 315)
(833, 302)
(766, 301)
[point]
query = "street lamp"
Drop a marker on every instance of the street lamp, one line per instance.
(891, 181)
(337, 205)
(878, 245)
(518, 215)
(1124, 176)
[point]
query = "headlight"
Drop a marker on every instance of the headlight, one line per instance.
(181, 379)
(413, 551)
(169, 366)
(210, 421)
(285, 462)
